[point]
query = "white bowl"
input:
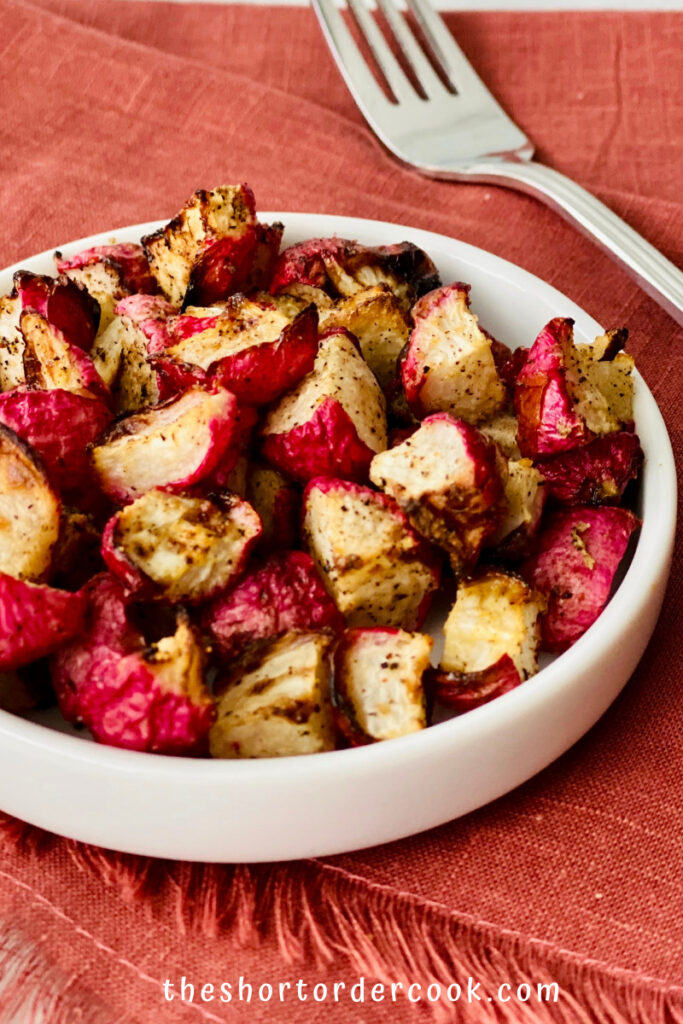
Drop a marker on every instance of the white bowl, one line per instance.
(293, 807)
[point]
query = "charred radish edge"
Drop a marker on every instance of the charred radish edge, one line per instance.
(50, 361)
(229, 265)
(463, 691)
(221, 269)
(207, 218)
(339, 267)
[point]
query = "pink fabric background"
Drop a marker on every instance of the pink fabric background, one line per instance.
(112, 113)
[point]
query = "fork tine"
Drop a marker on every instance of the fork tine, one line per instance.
(427, 131)
(455, 64)
(412, 50)
(351, 63)
(390, 67)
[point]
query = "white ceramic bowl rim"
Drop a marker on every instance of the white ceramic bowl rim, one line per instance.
(650, 559)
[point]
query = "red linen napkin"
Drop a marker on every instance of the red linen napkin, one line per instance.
(113, 113)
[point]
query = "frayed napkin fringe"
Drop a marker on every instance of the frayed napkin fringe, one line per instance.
(315, 911)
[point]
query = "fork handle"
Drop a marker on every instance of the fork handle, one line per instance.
(657, 275)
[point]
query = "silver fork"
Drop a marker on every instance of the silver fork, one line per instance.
(462, 133)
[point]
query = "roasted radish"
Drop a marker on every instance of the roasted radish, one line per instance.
(375, 318)
(491, 640)
(379, 571)
(180, 548)
(250, 348)
(67, 308)
(495, 614)
(566, 394)
(333, 422)
(212, 248)
(50, 361)
(35, 620)
(596, 474)
(339, 267)
(524, 495)
(284, 594)
(123, 354)
(445, 478)
(59, 425)
(377, 691)
(173, 445)
(29, 510)
(448, 365)
(464, 691)
(278, 702)
(109, 273)
(12, 343)
(577, 557)
(128, 692)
